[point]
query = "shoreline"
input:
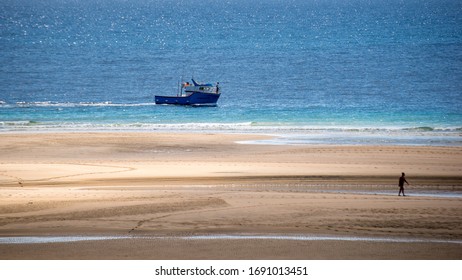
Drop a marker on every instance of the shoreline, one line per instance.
(167, 184)
(290, 135)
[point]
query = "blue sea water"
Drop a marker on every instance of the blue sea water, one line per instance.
(309, 71)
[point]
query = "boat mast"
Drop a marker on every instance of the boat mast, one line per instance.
(179, 86)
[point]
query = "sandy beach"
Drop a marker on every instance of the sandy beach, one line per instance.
(154, 191)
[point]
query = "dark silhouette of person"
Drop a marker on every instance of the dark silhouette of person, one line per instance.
(402, 180)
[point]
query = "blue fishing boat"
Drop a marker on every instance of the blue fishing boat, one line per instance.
(194, 94)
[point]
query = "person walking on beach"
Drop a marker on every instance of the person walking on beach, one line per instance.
(402, 179)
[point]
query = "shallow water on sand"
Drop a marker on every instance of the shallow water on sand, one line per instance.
(54, 239)
(66, 239)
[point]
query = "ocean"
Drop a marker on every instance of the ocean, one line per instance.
(353, 72)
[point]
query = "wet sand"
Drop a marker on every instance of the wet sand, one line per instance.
(142, 185)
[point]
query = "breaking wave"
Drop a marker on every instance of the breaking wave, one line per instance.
(36, 117)
(237, 127)
(281, 135)
(71, 104)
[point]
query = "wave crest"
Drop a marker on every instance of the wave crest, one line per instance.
(22, 104)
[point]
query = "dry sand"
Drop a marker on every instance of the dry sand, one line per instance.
(159, 187)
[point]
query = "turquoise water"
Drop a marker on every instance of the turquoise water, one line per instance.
(326, 71)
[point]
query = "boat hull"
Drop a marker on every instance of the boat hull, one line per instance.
(195, 99)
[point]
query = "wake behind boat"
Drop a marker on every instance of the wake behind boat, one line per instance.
(194, 94)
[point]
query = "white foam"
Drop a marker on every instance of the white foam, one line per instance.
(54, 239)
(282, 134)
(318, 238)
(79, 104)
